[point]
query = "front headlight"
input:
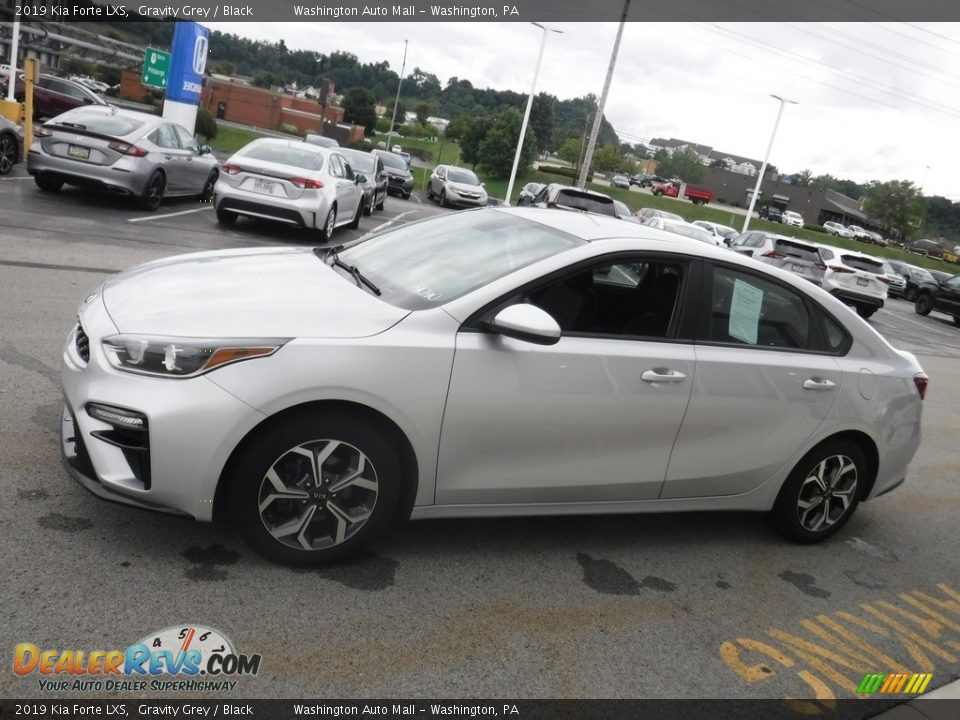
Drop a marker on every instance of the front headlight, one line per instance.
(180, 358)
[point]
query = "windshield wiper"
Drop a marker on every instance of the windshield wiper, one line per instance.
(354, 271)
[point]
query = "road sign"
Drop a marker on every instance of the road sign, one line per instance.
(156, 68)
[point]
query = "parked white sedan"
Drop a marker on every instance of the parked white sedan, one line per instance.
(496, 362)
(295, 183)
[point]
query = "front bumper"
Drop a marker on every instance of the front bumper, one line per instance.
(458, 200)
(399, 186)
(192, 427)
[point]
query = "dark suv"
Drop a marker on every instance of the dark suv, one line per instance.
(945, 298)
(915, 278)
(53, 96)
(770, 212)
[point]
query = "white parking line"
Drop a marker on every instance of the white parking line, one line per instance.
(390, 222)
(169, 215)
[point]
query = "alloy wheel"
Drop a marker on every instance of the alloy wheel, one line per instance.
(827, 493)
(8, 154)
(331, 221)
(318, 494)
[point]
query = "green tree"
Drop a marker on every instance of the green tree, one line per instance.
(473, 134)
(570, 150)
(684, 164)
(897, 205)
(423, 112)
(803, 178)
(499, 145)
(542, 118)
(359, 107)
(607, 159)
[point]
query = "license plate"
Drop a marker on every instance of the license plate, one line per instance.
(798, 269)
(863, 281)
(263, 186)
(78, 151)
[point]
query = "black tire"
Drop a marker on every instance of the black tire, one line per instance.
(153, 191)
(406, 196)
(9, 153)
(272, 447)
(924, 304)
(443, 198)
(430, 194)
(383, 199)
(325, 232)
(794, 523)
(207, 193)
(657, 193)
(865, 311)
(355, 223)
(225, 217)
(368, 207)
(910, 294)
(48, 183)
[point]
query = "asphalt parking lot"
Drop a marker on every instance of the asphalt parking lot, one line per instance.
(683, 605)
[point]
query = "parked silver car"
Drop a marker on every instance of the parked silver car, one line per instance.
(290, 182)
(500, 362)
(456, 187)
(123, 152)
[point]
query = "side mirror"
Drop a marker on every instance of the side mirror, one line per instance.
(205, 150)
(526, 322)
(483, 185)
(359, 179)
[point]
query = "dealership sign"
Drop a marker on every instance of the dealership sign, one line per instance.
(191, 43)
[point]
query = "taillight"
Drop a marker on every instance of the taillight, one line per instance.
(42, 132)
(127, 149)
(921, 380)
(306, 183)
(230, 169)
(885, 281)
(841, 269)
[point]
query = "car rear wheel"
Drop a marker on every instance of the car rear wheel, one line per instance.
(153, 192)
(865, 311)
(208, 186)
(924, 304)
(8, 154)
(821, 493)
(225, 217)
(48, 183)
(315, 488)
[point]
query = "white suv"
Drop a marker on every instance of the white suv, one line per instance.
(789, 217)
(835, 228)
(855, 279)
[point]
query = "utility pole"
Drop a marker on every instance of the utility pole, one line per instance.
(766, 158)
(598, 118)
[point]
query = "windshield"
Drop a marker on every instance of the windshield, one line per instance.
(578, 200)
(393, 160)
(425, 264)
(283, 154)
(923, 275)
(462, 176)
(690, 231)
(794, 249)
(360, 162)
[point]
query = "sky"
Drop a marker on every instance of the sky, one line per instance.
(875, 101)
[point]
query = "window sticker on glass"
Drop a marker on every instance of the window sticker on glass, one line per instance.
(427, 293)
(745, 311)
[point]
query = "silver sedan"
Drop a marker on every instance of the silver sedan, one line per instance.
(295, 183)
(123, 152)
(498, 362)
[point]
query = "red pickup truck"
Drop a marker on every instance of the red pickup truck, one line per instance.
(697, 195)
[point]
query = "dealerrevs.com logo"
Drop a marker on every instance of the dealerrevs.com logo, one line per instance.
(179, 658)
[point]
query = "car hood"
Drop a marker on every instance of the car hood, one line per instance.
(273, 292)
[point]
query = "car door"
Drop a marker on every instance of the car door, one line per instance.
(348, 192)
(195, 168)
(766, 380)
(592, 418)
(948, 297)
(171, 156)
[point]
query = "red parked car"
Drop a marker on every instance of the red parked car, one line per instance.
(697, 195)
(53, 96)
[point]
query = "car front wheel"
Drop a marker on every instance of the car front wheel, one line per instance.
(821, 493)
(315, 488)
(924, 304)
(8, 153)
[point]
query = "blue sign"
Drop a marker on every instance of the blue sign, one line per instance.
(189, 59)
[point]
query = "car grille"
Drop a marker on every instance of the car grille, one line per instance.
(83, 344)
(470, 195)
(396, 180)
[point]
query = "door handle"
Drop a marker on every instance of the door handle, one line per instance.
(662, 375)
(818, 384)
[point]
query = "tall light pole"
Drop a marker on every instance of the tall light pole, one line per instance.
(397, 101)
(598, 118)
(526, 114)
(763, 168)
(14, 42)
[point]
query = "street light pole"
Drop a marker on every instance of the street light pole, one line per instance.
(763, 168)
(598, 118)
(396, 102)
(14, 42)
(526, 113)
